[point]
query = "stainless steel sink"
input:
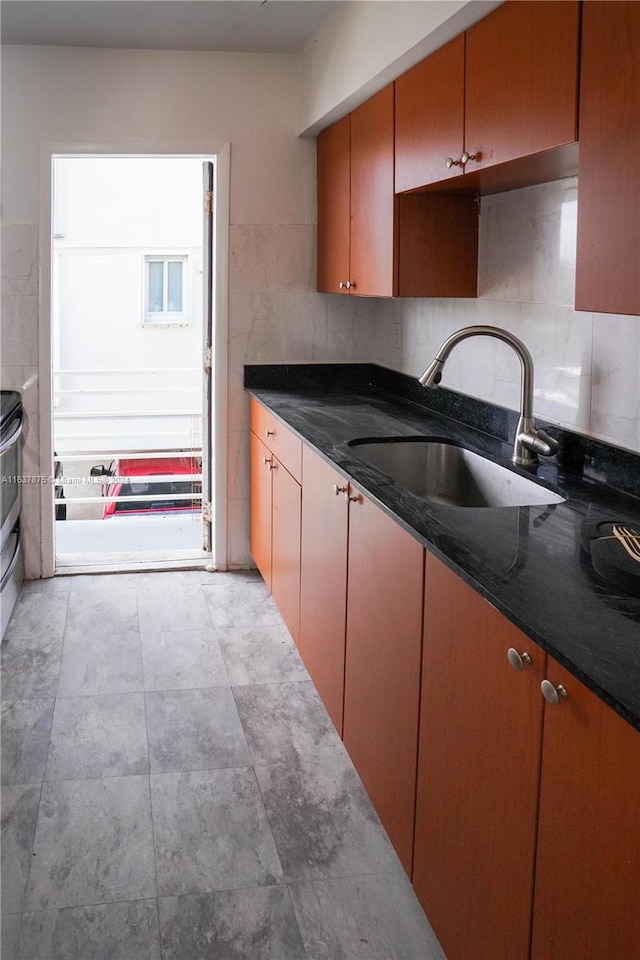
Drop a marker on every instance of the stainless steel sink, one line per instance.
(450, 475)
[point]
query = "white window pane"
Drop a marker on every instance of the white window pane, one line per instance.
(154, 304)
(174, 286)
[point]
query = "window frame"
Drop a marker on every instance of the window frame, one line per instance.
(165, 318)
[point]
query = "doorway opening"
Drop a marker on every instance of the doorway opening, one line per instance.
(131, 321)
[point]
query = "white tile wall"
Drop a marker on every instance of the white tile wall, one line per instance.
(587, 365)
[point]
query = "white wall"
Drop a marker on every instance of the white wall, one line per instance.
(365, 45)
(128, 201)
(111, 213)
(175, 100)
(164, 97)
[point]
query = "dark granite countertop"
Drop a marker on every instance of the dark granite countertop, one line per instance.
(527, 561)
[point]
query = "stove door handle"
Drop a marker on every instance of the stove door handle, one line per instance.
(11, 439)
(16, 556)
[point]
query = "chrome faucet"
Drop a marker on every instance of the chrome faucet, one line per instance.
(528, 441)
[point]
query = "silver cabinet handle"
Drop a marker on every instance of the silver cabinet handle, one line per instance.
(353, 497)
(518, 660)
(338, 490)
(450, 162)
(343, 286)
(468, 156)
(553, 692)
(266, 460)
(350, 285)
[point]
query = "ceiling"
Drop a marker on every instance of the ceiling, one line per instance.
(256, 26)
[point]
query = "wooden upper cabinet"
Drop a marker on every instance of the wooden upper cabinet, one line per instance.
(429, 120)
(587, 891)
(478, 774)
(521, 80)
(356, 225)
(608, 257)
(372, 197)
(334, 206)
(407, 246)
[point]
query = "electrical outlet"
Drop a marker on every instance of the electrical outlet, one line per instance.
(396, 337)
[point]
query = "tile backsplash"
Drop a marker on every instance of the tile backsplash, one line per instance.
(587, 365)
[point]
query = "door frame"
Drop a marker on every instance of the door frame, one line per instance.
(221, 154)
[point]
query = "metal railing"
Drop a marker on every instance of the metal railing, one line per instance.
(76, 447)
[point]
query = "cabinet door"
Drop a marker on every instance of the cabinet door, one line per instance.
(438, 245)
(478, 774)
(323, 581)
(278, 438)
(260, 511)
(608, 264)
(429, 120)
(588, 865)
(372, 197)
(334, 187)
(382, 675)
(285, 546)
(521, 80)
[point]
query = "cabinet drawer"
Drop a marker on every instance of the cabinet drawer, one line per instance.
(280, 441)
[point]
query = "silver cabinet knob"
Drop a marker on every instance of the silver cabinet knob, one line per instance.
(350, 285)
(450, 162)
(553, 692)
(338, 490)
(269, 433)
(266, 460)
(518, 660)
(342, 285)
(468, 156)
(354, 497)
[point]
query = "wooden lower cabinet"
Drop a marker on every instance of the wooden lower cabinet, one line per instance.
(286, 497)
(275, 512)
(527, 845)
(260, 506)
(478, 774)
(523, 841)
(323, 580)
(382, 670)
(587, 891)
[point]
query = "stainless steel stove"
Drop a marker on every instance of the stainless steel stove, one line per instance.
(11, 562)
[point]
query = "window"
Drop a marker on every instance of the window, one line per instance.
(165, 290)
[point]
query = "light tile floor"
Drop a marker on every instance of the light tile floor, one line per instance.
(173, 789)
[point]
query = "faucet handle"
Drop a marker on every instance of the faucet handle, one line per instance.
(539, 442)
